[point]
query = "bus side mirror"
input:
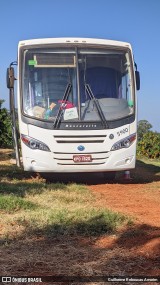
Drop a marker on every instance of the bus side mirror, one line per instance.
(137, 74)
(10, 77)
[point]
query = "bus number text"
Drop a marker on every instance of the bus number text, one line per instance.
(122, 132)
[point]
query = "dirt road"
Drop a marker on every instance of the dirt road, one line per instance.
(140, 199)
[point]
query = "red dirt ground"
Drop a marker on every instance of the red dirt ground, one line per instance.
(143, 239)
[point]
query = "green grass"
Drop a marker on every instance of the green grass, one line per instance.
(70, 209)
(11, 204)
(52, 210)
(80, 222)
(29, 206)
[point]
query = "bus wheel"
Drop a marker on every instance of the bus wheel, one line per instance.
(109, 176)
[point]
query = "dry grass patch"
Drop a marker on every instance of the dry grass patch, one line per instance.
(29, 206)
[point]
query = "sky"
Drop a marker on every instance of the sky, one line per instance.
(133, 21)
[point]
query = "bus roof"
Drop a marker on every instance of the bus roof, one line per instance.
(71, 40)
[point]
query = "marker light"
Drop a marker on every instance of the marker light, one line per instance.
(33, 143)
(125, 143)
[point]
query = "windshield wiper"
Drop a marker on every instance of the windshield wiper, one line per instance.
(100, 112)
(60, 111)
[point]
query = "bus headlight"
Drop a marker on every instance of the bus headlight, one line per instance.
(124, 143)
(33, 143)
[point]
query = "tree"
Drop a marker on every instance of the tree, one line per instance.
(143, 127)
(149, 145)
(5, 127)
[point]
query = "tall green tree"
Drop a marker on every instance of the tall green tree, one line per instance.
(143, 127)
(5, 127)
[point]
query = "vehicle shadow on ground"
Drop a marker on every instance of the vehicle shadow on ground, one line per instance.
(142, 174)
(22, 189)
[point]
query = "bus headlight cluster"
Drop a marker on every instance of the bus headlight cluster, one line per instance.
(125, 143)
(33, 143)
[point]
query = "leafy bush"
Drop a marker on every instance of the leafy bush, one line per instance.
(5, 127)
(149, 145)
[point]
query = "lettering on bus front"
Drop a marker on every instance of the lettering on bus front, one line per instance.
(122, 132)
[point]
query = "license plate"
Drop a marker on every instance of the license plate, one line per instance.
(82, 158)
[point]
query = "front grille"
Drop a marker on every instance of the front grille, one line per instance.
(80, 139)
(66, 157)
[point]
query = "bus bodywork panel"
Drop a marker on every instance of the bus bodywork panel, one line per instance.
(64, 151)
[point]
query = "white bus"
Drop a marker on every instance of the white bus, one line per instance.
(77, 107)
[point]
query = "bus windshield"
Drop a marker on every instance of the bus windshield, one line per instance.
(77, 84)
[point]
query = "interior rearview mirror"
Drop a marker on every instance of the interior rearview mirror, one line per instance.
(10, 77)
(137, 74)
